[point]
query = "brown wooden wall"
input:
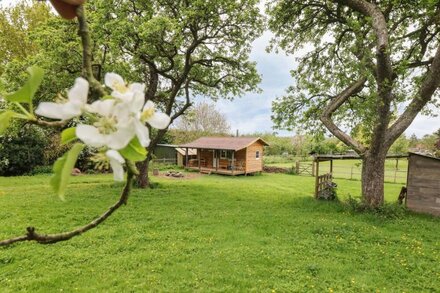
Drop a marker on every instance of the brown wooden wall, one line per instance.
(252, 163)
(423, 184)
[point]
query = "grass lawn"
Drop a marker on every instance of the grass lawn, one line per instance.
(263, 233)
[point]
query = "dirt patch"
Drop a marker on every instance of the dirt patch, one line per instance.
(187, 175)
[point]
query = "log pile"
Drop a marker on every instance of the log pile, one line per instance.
(273, 169)
(175, 174)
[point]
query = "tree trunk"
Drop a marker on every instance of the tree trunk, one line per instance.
(373, 175)
(143, 181)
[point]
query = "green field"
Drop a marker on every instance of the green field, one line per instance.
(349, 169)
(212, 233)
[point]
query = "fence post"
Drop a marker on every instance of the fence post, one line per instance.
(297, 167)
(395, 175)
(313, 168)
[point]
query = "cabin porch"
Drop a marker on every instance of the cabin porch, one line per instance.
(226, 162)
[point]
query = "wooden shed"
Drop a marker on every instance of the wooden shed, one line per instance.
(181, 153)
(165, 153)
(423, 186)
(226, 155)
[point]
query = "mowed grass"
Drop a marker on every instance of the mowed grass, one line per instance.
(214, 233)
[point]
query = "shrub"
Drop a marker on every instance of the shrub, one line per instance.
(387, 210)
(21, 150)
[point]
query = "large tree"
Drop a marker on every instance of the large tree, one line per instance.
(204, 118)
(367, 66)
(182, 48)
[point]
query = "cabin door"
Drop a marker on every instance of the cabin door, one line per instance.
(214, 159)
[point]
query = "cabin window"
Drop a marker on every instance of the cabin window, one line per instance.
(223, 154)
(257, 154)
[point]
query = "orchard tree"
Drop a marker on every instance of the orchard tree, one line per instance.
(370, 65)
(204, 118)
(182, 48)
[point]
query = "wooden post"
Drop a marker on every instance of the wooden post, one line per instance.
(397, 164)
(217, 161)
(297, 168)
(233, 163)
(313, 168)
(317, 178)
(331, 166)
(186, 158)
(198, 160)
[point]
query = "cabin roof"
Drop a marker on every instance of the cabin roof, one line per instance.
(223, 143)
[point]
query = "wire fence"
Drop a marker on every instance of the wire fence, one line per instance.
(395, 171)
(165, 161)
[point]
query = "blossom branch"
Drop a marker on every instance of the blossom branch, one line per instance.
(87, 70)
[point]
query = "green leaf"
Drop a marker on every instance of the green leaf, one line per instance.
(63, 168)
(28, 90)
(134, 151)
(5, 120)
(68, 135)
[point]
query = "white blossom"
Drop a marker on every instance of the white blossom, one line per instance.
(72, 107)
(116, 161)
(120, 89)
(110, 128)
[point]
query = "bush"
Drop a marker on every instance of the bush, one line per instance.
(41, 170)
(387, 210)
(21, 150)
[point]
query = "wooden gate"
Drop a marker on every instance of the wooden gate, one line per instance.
(305, 168)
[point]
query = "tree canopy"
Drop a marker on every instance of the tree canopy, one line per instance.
(366, 69)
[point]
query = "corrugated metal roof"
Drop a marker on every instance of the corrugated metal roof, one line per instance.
(223, 143)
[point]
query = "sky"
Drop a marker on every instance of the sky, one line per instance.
(251, 113)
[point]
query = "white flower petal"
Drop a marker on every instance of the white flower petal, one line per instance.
(111, 79)
(115, 155)
(159, 120)
(116, 161)
(124, 97)
(71, 110)
(58, 111)
(102, 107)
(50, 110)
(148, 105)
(137, 102)
(137, 87)
(142, 133)
(79, 92)
(120, 139)
(90, 135)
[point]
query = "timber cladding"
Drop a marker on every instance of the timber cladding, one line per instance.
(423, 184)
(254, 163)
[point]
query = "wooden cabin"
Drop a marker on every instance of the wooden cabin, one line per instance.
(226, 155)
(423, 186)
